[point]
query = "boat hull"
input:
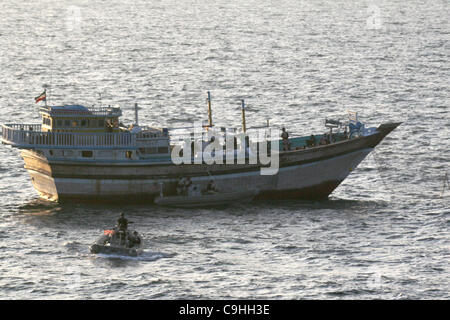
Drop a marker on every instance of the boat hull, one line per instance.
(304, 174)
(132, 252)
(103, 246)
(313, 180)
(217, 199)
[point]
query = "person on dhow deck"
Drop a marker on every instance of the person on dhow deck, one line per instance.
(285, 137)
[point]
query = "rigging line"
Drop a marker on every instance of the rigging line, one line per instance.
(446, 184)
(379, 169)
(52, 60)
(210, 174)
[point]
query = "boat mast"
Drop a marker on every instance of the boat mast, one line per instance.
(136, 119)
(209, 110)
(244, 128)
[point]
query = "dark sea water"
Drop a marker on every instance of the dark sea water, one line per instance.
(383, 233)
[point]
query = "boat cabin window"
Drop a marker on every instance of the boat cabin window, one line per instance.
(101, 123)
(67, 123)
(86, 153)
(74, 123)
(129, 154)
(59, 123)
(84, 123)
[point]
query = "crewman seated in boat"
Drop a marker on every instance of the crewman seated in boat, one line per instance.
(122, 226)
(285, 137)
(183, 185)
(187, 185)
(194, 190)
(180, 186)
(136, 237)
(210, 187)
(133, 239)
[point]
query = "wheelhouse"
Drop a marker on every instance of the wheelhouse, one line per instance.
(78, 118)
(78, 132)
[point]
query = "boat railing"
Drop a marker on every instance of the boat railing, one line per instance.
(30, 136)
(92, 111)
(25, 126)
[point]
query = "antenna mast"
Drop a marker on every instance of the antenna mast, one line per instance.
(209, 109)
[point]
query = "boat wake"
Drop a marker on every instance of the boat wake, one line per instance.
(145, 256)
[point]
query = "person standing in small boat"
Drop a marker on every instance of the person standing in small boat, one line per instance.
(122, 223)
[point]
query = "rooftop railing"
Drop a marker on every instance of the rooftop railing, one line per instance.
(96, 112)
(29, 136)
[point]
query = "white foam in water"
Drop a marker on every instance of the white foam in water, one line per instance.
(145, 256)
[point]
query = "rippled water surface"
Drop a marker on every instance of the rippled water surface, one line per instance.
(384, 233)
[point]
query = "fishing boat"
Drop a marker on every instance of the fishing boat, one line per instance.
(86, 153)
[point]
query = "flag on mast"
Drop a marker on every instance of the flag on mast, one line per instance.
(41, 97)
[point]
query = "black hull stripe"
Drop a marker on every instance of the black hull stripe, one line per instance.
(316, 192)
(197, 174)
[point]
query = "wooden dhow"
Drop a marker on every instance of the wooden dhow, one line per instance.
(86, 153)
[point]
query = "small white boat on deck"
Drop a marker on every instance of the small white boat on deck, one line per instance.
(206, 200)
